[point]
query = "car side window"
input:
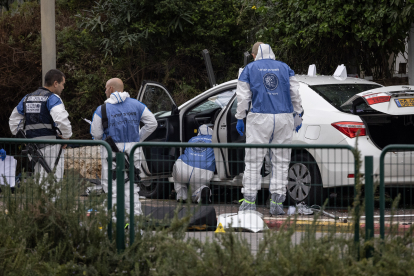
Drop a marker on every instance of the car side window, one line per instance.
(204, 106)
(157, 100)
(218, 101)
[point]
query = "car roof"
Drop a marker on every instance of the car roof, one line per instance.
(220, 86)
(316, 80)
(322, 80)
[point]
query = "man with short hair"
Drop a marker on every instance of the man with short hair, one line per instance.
(273, 91)
(42, 115)
(124, 115)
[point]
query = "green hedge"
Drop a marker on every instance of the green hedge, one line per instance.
(46, 231)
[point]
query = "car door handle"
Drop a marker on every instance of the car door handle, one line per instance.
(161, 124)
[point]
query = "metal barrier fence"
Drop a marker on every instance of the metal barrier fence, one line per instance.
(76, 171)
(396, 179)
(311, 165)
(316, 174)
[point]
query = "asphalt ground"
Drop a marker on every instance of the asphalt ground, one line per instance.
(226, 200)
(254, 239)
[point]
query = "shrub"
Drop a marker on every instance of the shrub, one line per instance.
(46, 231)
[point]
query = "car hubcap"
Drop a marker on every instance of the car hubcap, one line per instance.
(299, 184)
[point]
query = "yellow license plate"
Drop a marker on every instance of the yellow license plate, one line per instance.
(405, 102)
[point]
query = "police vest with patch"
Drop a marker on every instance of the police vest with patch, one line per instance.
(38, 121)
(200, 157)
(121, 121)
(270, 86)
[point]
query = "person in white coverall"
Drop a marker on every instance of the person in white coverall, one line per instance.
(124, 116)
(195, 167)
(42, 115)
(272, 90)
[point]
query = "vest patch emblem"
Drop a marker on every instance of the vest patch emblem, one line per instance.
(37, 98)
(33, 107)
(199, 149)
(270, 81)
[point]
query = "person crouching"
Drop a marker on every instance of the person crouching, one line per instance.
(195, 168)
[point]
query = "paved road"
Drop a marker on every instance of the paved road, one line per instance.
(254, 239)
(403, 215)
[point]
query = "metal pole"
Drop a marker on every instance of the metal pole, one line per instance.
(209, 67)
(131, 198)
(369, 201)
(356, 230)
(47, 22)
(120, 200)
(110, 194)
(382, 198)
(411, 56)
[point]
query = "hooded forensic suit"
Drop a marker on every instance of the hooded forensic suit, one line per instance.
(273, 91)
(124, 116)
(195, 167)
(41, 114)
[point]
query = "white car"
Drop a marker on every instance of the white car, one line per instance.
(335, 109)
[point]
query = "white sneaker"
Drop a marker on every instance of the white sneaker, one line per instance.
(303, 209)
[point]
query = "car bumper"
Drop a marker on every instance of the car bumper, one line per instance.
(398, 166)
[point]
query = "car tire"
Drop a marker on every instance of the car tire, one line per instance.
(155, 189)
(304, 180)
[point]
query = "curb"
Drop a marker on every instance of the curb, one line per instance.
(324, 224)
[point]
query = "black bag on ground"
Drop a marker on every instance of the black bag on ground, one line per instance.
(203, 217)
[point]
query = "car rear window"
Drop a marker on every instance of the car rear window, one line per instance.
(338, 94)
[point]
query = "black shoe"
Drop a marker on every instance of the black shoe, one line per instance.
(183, 201)
(205, 195)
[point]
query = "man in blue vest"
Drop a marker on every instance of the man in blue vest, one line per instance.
(273, 91)
(195, 167)
(42, 115)
(124, 116)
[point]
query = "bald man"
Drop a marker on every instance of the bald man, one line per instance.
(124, 116)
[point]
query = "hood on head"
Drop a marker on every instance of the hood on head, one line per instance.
(265, 52)
(117, 97)
(205, 130)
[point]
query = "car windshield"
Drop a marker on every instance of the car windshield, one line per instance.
(338, 94)
(214, 102)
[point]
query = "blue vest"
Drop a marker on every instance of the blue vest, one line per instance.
(123, 120)
(202, 158)
(270, 86)
(38, 121)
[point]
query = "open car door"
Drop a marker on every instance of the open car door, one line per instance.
(229, 162)
(159, 101)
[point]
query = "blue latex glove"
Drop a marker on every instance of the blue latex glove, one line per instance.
(297, 118)
(240, 127)
(2, 154)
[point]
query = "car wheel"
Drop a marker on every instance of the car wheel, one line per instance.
(304, 180)
(156, 189)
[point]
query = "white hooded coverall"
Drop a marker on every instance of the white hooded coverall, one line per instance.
(195, 167)
(124, 115)
(272, 89)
